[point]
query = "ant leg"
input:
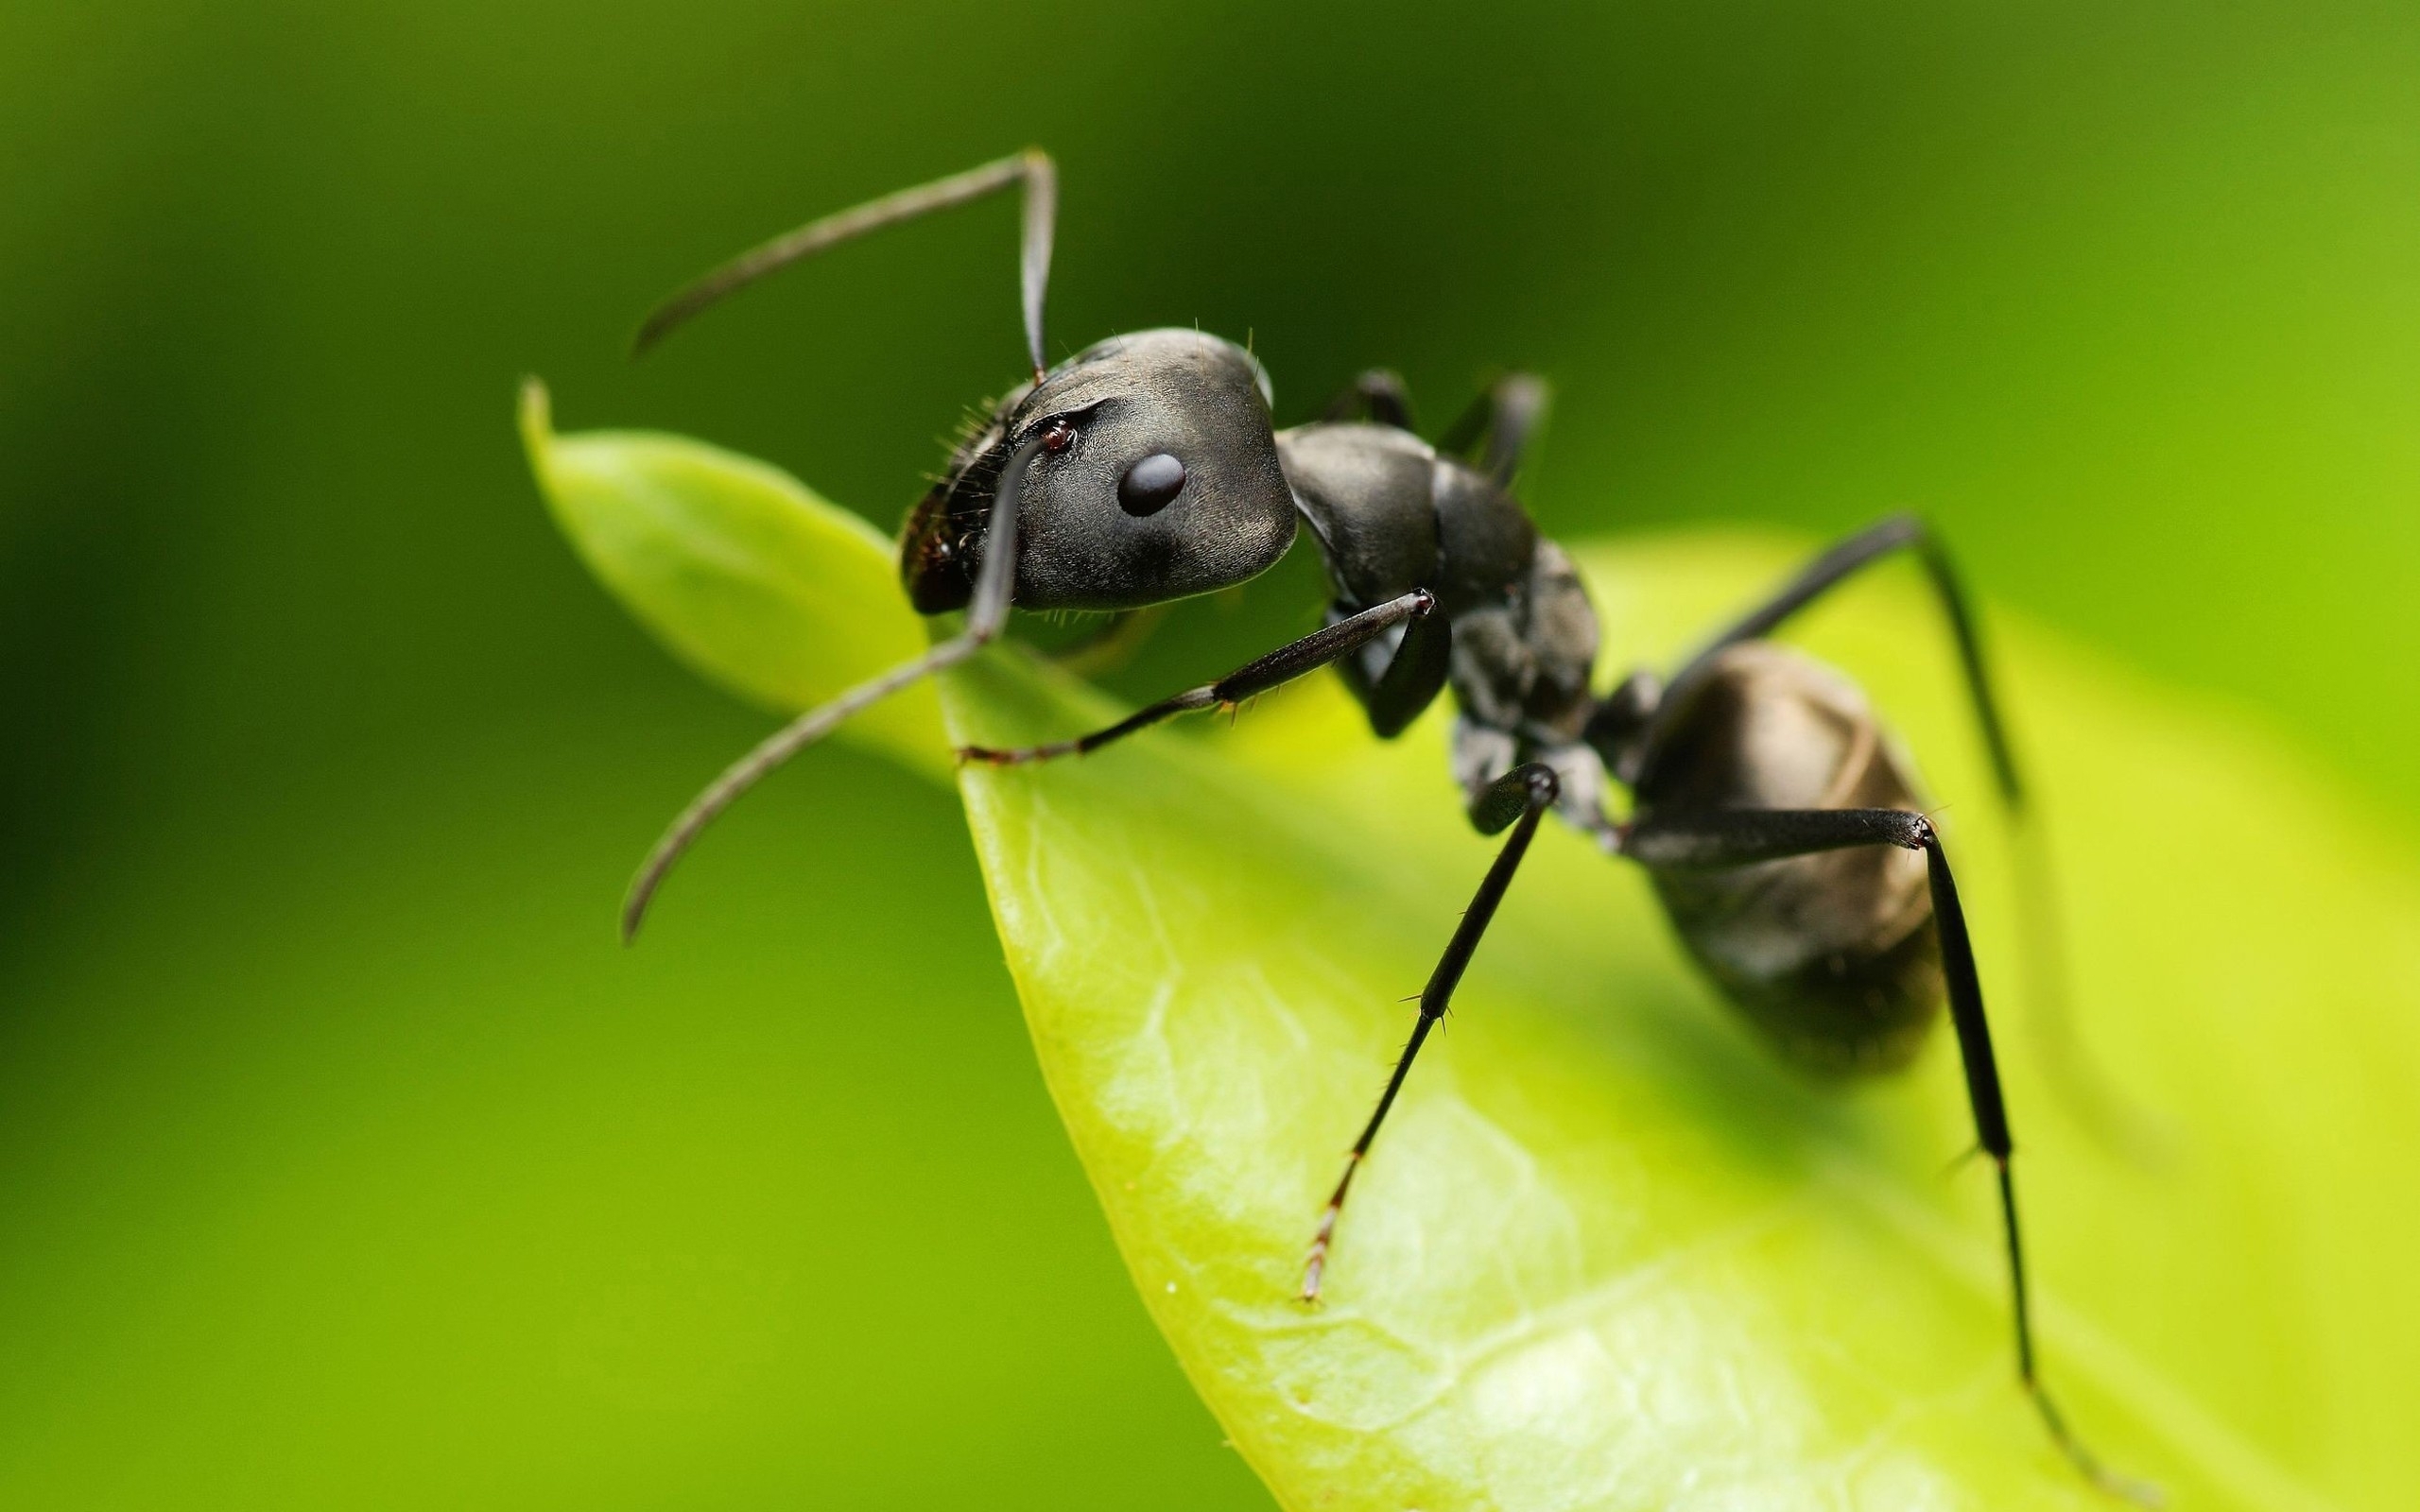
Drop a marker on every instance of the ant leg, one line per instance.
(1032, 168)
(1505, 416)
(2099, 1107)
(1519, 798)
(1282, 665)
(987, 615)
(1731, 837)
(1378, 395)
(1826, 572)
(1414, 676)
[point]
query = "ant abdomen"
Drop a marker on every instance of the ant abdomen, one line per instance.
(1827, 953)
(1781, 830)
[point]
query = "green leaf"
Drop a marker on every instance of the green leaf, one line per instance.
(1609, 1254)
(745, 573)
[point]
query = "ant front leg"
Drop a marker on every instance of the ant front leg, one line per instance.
(1518, 798)
(1734, 837)
(1492, 434)
(1427, 665)
(1378, 395)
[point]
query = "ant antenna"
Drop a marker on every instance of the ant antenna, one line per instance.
(1032, 168)
(987, 615)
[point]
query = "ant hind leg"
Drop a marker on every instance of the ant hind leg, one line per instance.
(1731, 837)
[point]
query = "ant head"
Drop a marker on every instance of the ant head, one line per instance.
(1157, 479)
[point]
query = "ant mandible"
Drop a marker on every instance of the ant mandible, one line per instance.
(1781, 835)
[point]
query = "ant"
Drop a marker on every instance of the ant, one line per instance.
(1781, 834)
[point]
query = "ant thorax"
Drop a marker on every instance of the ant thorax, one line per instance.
(1392, 514)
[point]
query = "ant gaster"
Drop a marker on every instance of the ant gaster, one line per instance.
(1782, 837)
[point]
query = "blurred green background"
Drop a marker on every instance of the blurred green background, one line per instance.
(345, 1162)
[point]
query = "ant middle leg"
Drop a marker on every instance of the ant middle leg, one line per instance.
(1732, 837)
(1518, 798)
(1495, 432)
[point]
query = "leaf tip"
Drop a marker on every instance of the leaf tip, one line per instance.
(536, 413)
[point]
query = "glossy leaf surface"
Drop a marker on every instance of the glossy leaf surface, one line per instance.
(744, 572)
(1609, 1254)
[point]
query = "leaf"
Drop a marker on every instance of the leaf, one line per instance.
(1608, 1254)
(746, 573)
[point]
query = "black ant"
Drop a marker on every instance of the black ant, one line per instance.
(1782, 837)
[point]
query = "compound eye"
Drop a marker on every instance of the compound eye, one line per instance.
(1150, 485)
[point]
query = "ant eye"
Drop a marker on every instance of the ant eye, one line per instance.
(1058, 436)
(1150, 485)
